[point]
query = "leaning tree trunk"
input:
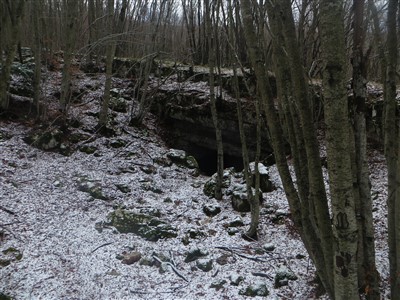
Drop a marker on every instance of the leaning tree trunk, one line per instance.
(338, 140)
(319, 248)
(315, 209)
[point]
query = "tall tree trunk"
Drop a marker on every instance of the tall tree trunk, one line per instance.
(11, 15)
(338, 140)
(210, 13)
(37, 6)
(70, 31)
(319, 248)
(391, 152)
(269, 110)
(368, 275)
(103, 118)
(318, 211)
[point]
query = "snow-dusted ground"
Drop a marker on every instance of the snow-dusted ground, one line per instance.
(53, 225)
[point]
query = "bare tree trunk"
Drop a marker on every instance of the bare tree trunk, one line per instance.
(210, 14)
(391, 152)
(268, 108)
(103, 118)
(70, 28)
(37, 6)
(318, 211)
(11, 15)
(368, 275)
(339, 161)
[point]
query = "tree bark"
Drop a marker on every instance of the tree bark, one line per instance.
(70, 31)
(12, 13)
(103, 118)
(368, 275)
(391, 152)
(211, 63)
(338, 140)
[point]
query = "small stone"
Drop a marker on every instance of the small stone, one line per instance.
(259, 289)
(211, 210)
(191, 162)
(88, 149)
(219, 284)
(117, 143)
(195, 254)
(131, 258)
(165, 267)
(223, 259)
(168, 200)
(123, 188)
(282, 275)
(237, 222)
(204, 264)
(196, 184)
(269, 247)
(235, 279)
(146, 261)
(233, 230)
(149, 169)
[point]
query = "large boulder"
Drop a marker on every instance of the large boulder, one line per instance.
(149, 227)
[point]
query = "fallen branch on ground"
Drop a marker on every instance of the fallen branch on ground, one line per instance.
(172, 267)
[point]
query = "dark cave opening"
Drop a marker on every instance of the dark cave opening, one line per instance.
(207, 160)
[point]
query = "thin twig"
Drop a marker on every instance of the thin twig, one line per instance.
(106, 244)
(7, 210)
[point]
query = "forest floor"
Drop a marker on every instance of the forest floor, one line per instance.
(54, 244)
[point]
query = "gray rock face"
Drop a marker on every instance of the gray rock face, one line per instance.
(186, 107)
(266, 185)
(180, 157)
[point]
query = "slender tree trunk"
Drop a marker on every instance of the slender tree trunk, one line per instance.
(318, 211)
(338, 140)
(368, 275)
(12, 13)
(269, 110)
(37, 6)
(70, 28)
(210, 13)
(103, 118)
(391, 152)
